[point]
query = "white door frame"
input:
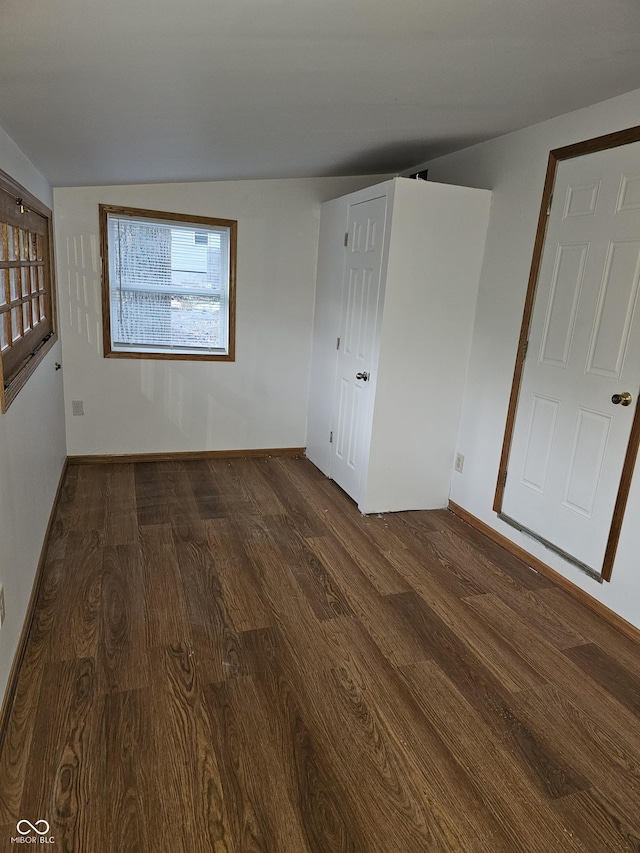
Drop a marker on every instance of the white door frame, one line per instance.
(601, 143)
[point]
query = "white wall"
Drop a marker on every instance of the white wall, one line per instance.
(32, 452)
(513, 167)
(436, 243)
(149, 406)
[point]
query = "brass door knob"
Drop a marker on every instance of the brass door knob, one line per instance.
(624, 399)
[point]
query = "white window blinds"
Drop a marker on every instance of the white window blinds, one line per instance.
(168, 286)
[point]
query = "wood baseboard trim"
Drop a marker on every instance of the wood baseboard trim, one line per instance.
(182, 456)
(583, 597)
(12, 683)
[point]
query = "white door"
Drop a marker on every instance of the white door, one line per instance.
(570, 438)
(352, 409)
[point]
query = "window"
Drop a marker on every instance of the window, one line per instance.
(27, 327)
(168, 284)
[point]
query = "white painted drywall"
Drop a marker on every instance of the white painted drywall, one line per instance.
(149, 406)
(513, 167)
(437, 236)
(32, 452)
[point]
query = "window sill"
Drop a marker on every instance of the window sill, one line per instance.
(8, 394)
(171, 356)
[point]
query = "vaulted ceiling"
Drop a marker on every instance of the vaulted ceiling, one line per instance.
(124, 91)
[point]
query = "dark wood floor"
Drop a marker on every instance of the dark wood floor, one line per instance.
(227, 657)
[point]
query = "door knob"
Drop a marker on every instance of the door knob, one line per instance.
(625, 399)
(365, 376)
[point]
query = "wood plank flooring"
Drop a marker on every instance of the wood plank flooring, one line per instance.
(226, 656)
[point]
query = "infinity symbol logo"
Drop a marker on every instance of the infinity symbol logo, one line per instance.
(32, 828)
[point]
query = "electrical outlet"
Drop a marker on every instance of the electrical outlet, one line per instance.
(459, 463)
(77, 407)
(1, 605)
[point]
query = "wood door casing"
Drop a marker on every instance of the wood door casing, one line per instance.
(590, 146)
(569, 439)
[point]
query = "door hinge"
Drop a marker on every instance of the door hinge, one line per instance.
(337, 343)
(550, 203)
(331, 437)
(503, 479)
(346, 239)
(525, 347)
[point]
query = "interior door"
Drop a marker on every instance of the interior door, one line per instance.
(352, 409)
(573, 417)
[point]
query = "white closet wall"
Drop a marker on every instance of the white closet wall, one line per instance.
(434, 238)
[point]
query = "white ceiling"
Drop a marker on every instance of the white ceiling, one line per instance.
(132, 91)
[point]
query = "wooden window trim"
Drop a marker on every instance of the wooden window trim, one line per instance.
(231, 224)
(579, 149)
(29, 352)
